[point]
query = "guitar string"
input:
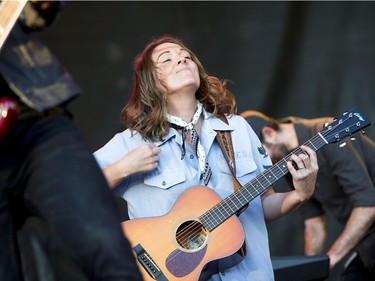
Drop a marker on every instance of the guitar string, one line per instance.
(197, 226)
(256, 193)
(254, 183)
(218, 212)
(219, 208)
(266, 175)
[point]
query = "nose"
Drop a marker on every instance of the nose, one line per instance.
(181, 60)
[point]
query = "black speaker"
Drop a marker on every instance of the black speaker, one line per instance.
(300, 268)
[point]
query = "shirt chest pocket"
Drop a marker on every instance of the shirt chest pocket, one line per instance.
(165, 178)
(244, 167)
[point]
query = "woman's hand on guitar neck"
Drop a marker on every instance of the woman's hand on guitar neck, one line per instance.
(304, 172)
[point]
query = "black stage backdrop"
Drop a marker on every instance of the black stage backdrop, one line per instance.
(305, 59)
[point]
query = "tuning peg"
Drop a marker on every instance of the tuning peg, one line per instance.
(363, 132)
(352, 138)
(342, 144)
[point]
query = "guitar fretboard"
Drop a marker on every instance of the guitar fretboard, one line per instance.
(233, 203)
(351, 122)
(9, 12)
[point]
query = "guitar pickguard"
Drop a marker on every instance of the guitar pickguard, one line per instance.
(191, 237)
(181, 263)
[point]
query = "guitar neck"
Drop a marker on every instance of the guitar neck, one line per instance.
(352, 121)
(237, 200)
(9, 13)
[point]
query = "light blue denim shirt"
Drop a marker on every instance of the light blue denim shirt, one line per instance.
(154, 193)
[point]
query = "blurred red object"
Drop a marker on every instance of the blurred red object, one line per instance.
(9, 110)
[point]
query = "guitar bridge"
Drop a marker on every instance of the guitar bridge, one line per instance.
(148, 264)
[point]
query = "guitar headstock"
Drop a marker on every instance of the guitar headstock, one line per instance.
(350, 122)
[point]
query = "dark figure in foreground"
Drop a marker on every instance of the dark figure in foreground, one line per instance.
(46, 170)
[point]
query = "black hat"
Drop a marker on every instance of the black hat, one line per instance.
(257, 121)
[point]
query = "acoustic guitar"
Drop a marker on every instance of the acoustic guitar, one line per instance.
(201, 234)
(10, 10)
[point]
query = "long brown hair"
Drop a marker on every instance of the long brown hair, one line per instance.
(146, 110)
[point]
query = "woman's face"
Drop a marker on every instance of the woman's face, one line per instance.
(175, 68)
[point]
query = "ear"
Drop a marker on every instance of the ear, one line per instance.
(269, 134)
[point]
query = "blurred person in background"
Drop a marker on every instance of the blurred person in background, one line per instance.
(344, 187)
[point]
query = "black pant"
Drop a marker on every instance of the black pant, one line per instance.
(43, 255)
(47, 171)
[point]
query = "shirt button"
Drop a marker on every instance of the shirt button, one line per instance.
(163, 183)
(191, 156)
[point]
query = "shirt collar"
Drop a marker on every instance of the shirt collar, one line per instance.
(215, 123)
(171, 133)
(211, 122)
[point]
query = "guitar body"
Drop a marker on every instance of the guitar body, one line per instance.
(201, 234)
(178, 245)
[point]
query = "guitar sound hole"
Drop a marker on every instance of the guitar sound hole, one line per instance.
(191, 235)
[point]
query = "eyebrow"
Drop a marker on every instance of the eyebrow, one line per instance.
(165, 52)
